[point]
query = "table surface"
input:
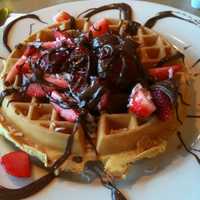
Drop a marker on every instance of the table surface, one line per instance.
(24, 5)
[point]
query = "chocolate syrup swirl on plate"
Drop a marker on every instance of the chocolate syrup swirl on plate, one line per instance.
(175, 14)
(188, 149)
(124, 8)
(196, 63)
(12, 23)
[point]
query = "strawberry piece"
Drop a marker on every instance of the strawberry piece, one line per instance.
(17, 164)
(51, 44)
(163, 104)
(141, 103)
(30, 50)
(70, 115)
(18, 67)
(26, 68)
(59, 82)
(104, 102)
(61, 17)
(100, 27)
(15, 69)
(163, 73)
(59, 36)
(37, 90)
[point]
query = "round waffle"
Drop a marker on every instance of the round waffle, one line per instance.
(35, 127)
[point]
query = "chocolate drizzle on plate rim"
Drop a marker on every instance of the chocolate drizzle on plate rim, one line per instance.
(9, 27)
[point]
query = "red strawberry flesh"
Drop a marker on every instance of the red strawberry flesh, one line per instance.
(163, 104)
(38, 90)
(100, 27)
(163, 73)
(140, 102)
(61, 16)
(17, 164)
(70, 115)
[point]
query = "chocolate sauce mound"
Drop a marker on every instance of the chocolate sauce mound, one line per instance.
(117, 61)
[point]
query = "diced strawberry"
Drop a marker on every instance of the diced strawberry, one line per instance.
(59, 82)
(17, 164)
(38, 90)
(68, 114)
(61, 16)
(165, 72)
(140, 102)
(100, 27)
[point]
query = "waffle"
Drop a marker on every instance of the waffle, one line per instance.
(121, 139)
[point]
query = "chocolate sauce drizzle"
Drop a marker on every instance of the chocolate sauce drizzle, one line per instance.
(188, 149)
(193, 116)
(12, 23)
(196, 63)
(175, 14)
(122, 7)
(31, 28)
(187, 47)
(164, 60)
(97, 168)
(2, 58)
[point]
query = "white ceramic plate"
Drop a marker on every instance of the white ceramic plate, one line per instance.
(173, 175)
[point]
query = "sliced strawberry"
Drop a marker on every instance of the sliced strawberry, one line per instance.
(104, 102)
(15, 69)
(19, 67)
(26, 68)
(163, 73)
(30, 50)
(70, 115)
(140, 102)
(17, 164)
(38, 90)
(61, 16)
(51, 44)
(163, 104)
(100, 27)
(59, 82)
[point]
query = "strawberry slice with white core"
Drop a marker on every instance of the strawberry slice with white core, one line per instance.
(141, 103)
(70, 115)
(17, 164)
(61, 16)
(100, 27)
